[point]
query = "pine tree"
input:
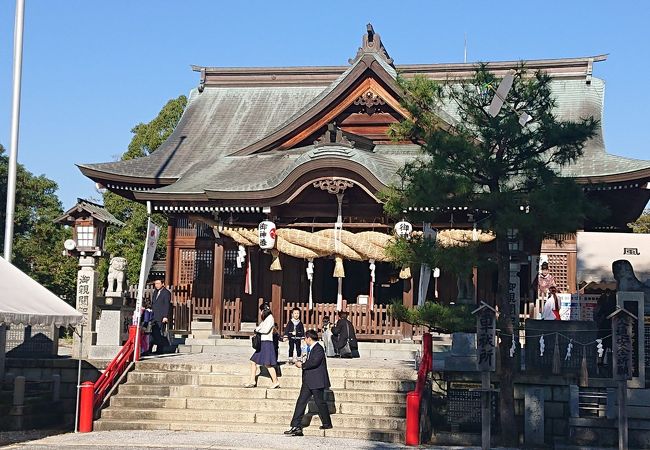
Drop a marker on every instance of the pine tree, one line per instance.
(493, 164)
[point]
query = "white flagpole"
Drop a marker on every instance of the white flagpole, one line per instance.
(15, 122)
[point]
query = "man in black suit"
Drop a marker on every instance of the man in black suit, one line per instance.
(160, 302)
(315, 380)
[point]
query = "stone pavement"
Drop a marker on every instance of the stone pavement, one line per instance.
(154, 440)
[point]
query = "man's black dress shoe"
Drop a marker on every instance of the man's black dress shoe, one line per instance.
(325, 427)
(294, 431)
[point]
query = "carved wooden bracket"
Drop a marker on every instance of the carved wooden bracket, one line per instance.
(333, 136)
(370, 102)
(333, 185)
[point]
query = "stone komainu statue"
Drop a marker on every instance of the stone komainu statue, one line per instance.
(116, 273)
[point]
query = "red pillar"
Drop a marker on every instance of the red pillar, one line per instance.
(86, 401)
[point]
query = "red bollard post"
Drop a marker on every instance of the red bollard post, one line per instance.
(412, 418)
(132, 332)
(86, 400)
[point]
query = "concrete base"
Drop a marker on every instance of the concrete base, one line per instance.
(104, 351)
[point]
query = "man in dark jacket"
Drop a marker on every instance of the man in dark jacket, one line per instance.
(315, 380)
(160, 303)
(343, 332)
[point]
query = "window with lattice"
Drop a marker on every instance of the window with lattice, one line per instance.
(558, 266)
(195, 266)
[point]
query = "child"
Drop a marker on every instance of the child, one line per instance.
(327, 338)
(294, 332)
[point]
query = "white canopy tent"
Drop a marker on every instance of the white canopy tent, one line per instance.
(24, 301)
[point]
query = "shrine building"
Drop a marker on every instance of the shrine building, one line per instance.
(306, 148)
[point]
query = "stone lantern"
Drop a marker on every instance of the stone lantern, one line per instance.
(88, 221)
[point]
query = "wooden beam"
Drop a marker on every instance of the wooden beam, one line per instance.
(169, 260)
(218, 289)
(331, 225)
(407, 300)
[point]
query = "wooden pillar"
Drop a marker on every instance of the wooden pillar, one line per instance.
(407, 300)
(217, 289)
(276, 296)
(169, 261)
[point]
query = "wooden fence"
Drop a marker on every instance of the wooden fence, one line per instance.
(370, 324)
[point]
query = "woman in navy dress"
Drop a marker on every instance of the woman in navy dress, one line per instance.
(266, 356)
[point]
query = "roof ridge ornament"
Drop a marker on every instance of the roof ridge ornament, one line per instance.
(333, 136)
(372, 44)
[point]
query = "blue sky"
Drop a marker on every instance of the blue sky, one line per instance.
(94, 69)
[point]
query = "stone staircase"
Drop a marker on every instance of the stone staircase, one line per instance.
(383, 350)
(168, 394)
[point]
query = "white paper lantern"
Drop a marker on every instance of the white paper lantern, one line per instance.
(403, 229)
(266, 233)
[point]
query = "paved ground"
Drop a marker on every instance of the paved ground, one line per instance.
(154, 440)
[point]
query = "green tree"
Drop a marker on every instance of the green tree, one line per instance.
(129, 240)
(642, 224)
(38, 241)
(494, 164)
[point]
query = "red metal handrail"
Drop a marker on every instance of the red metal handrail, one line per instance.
(414, 398)
(116, 368)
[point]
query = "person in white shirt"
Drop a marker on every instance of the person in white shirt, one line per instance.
(266, 355)
(551, 310)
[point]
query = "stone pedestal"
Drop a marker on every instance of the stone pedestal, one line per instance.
(463, 353)
(534, 416)
(112, 328)
(87, 279)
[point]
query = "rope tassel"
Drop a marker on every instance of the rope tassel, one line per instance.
(557, 365)
(275, 264)
(339, 271)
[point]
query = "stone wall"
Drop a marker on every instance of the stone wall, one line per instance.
(66, 368)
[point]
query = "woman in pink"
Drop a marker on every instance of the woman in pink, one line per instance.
(544, 281)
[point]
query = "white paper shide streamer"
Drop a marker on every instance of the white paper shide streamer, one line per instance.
(568, 350)
(310, 277)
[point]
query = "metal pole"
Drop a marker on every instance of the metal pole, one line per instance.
(622, 415)
(486, 413)
(15, 119)
(76, 413)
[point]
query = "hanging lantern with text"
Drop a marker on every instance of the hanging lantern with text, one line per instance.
(403, 229)
(266, 234)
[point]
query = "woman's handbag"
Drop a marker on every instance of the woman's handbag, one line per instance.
(346, 350)
(256, 342)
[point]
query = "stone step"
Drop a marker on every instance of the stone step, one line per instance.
(245, 343)
(245, 417)
(278, 405)
(286, 370)
(351, 433)
(230, 392)
(378, 353)
(179, 378)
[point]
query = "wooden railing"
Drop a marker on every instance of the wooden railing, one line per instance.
(369, 324)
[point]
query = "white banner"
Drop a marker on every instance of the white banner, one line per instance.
(153, 231)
